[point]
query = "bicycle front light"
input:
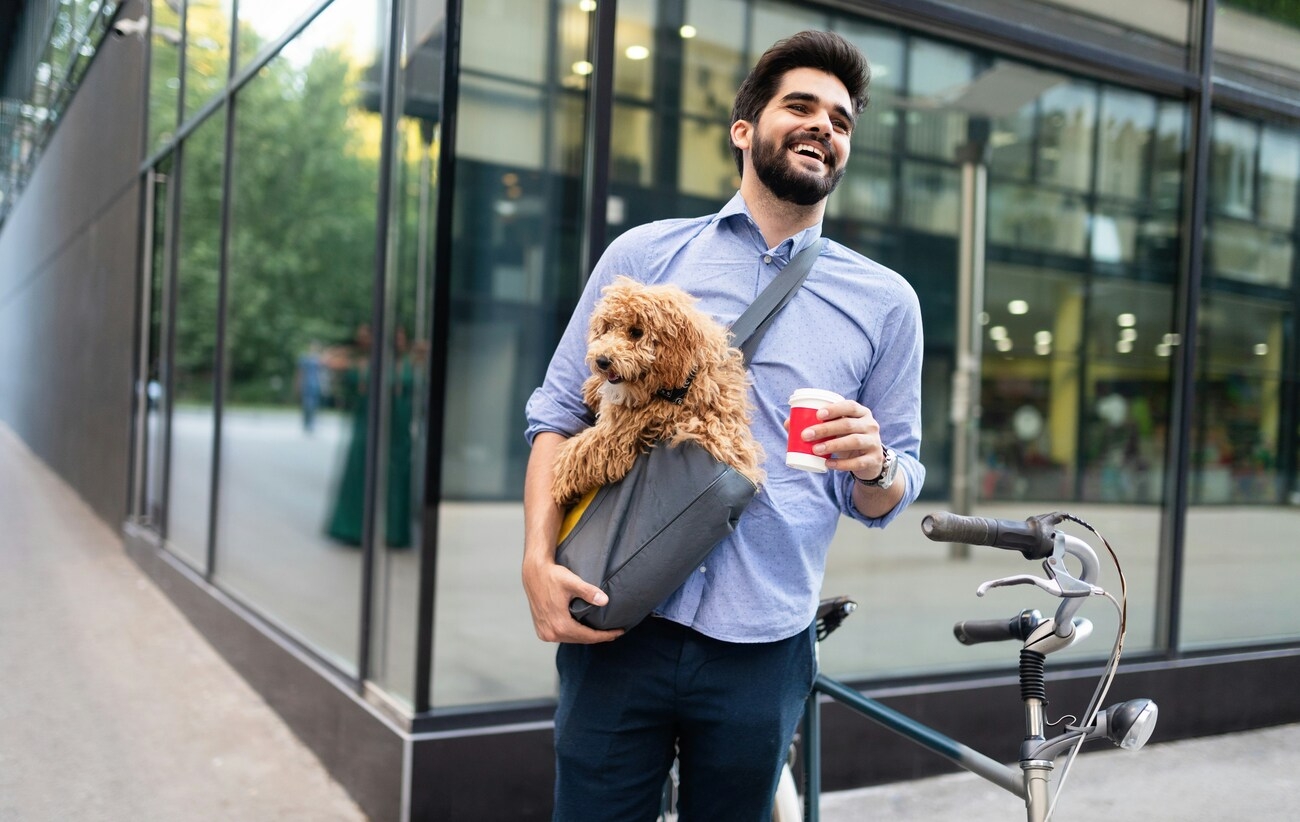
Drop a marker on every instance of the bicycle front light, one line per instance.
(1130, 724)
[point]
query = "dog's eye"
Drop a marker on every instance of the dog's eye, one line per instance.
(635, 333)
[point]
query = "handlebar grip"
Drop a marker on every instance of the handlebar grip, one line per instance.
(1033, 537)
(1019, 627)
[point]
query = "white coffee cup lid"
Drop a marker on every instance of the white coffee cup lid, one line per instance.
(814, 396)
(806, 462)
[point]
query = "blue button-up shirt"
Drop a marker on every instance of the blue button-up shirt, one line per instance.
(853, 328)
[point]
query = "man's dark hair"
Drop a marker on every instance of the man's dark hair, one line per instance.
(821, 50)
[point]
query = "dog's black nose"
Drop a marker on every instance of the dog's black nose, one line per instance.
(602, 363)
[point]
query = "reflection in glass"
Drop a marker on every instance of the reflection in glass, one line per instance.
(261, 23)
(1243, 519)
(1065, 134)
(1127, 126)
(155, 359)
(299, 306)
(711, 57)
(935, 72)
(207, 51)
(634, 47)
(514, 276)
(164, 74)
(197, 282)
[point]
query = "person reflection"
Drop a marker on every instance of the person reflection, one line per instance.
(351, 366)
(310, 384)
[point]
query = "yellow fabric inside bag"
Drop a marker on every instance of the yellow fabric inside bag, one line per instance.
(575, 513)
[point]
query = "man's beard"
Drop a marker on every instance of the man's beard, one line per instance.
(776, 170)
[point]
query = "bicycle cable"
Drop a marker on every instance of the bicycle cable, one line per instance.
(1112, 665)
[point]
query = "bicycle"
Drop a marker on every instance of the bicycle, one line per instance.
(1128, 724)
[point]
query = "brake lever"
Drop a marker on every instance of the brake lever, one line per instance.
(1059, 584)
(1051, 586)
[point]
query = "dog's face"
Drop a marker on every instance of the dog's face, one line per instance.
(643, 339)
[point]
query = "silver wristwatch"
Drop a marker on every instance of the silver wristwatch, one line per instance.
(888, 469)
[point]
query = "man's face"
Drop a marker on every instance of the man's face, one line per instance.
(800, 144)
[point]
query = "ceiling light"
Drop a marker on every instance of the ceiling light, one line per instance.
(586, 5)
(637, 52)
(1018, 307)
(688, 31)
(1126, 320)
(582, 67)
(1128, 334)
(1004, 344)
(1043, 337)
(998, 332)
(1261, 349)
(1124, 346)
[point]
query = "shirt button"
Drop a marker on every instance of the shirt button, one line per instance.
(704, 569)
(767, 258)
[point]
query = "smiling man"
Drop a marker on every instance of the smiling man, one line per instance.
(718, 675)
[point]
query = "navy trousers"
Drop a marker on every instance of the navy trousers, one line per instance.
(727, 710)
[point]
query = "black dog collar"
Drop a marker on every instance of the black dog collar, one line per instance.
(676, 395)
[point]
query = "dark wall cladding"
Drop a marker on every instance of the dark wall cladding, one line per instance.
(67, 286)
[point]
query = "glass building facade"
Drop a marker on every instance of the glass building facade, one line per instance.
(364, 224)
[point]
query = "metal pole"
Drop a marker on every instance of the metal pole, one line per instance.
(965, 409)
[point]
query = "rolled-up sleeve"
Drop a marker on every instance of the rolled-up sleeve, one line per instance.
(556, 405)
(893, 394)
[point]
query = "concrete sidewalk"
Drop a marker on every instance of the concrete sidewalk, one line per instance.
(114, 708)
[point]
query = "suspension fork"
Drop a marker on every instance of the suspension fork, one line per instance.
(1037, 772)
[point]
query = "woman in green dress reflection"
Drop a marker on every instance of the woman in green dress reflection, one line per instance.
(352, 370)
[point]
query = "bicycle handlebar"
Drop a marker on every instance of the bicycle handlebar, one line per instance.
(1019, 627)
(1033, 538)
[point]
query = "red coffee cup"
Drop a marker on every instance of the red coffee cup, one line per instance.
(804, 404)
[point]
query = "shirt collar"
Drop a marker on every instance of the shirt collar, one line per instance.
(736, 213)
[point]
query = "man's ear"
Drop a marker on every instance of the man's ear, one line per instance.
(742, 132)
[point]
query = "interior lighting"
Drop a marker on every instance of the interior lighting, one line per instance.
(1261, 349)
(1128, 334)
(586, 5)
(637, 52)
(1043, 337)
(1126, 320)
(582, 67)
(688, 31)
(984, 318)
(1163, 349)
(1124, 346)
(1171, 339)
(1004, 344)
(998, 332)
(1018, 307)
(1042, 349)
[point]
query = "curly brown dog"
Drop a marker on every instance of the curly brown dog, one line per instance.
(662, 369)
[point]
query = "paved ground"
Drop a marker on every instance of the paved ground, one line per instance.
(115, 709)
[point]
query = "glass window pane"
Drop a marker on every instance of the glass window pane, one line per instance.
(1127, 128)
(1249, 254)
(164, 74)
(933, 200)
(261, 23)
(1065, 133)
(1242, 523)
(207, 51)
(298, 392)
(515, 275)
(1130, 336)
(197, 275)
(1232, 167)
(634, 44)
(417, 142)
(707, 167)
(1034, 218)
(712, 57)
(1279, 177)
(935, 72)
(500, 38)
